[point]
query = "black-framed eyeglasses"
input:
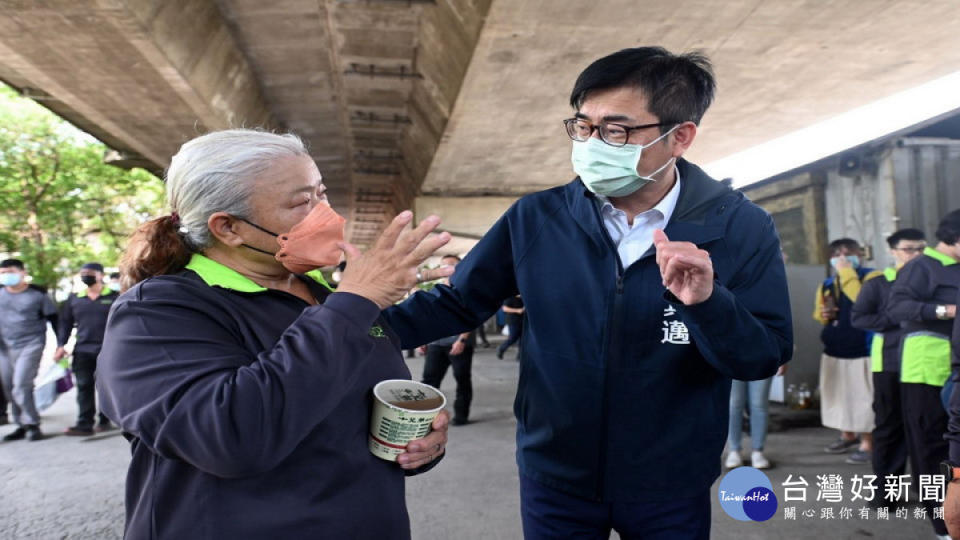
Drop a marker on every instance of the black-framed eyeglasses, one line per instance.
(911, 249)
(580, 130)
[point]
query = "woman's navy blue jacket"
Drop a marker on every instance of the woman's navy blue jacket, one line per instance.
(248, 410)
(623, 391)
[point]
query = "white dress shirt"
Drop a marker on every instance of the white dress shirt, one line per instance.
(633, 241)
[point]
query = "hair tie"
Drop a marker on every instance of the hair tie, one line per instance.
(181, 228)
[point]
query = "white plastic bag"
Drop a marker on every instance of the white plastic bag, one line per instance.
(45, 390)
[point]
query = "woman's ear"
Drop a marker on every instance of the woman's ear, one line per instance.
(223, 227)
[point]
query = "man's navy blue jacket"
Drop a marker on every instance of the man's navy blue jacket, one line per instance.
(611, 404)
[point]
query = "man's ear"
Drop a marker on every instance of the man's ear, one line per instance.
(223, 227)
(683, 137)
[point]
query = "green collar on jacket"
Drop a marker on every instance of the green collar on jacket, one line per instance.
(945, 260)
(215, 274)
(103, 292)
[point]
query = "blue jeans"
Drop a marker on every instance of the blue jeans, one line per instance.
(18, 369)
(945, 393)
(759, 396)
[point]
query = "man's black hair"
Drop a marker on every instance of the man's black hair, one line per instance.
(12, 263)
(905, 234)
(678, 88)
(848, 243)
(948, 231)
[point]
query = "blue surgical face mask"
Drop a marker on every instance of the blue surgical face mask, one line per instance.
(612, 170)
(854, 261)
(10, 279)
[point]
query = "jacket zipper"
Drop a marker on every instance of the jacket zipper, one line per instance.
(613, 331)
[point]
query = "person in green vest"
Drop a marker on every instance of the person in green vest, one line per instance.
(889, 456)
(87, 311)
(923, 301)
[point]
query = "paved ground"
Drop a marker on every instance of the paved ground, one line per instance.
(73, 488)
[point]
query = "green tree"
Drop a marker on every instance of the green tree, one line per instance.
(60, 204)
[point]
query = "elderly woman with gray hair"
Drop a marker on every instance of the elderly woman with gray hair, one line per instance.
(241, 380)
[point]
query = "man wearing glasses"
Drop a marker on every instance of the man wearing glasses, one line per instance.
(647, 286)
(923, 301)
(889, 455)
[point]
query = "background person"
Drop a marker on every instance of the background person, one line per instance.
(25, 311)
(113, 282)
(871, 312)
(756, 394)
(846, 386)
(951, 504)
(513, 316)
(87, 311)
(455, 352)
(923, 302)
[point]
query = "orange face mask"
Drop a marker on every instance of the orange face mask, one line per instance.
(312, 243)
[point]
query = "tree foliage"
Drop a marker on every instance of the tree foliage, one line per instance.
(60, 204)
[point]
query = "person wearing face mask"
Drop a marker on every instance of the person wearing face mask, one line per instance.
(846, 387)
(241, 379)
(25, 310)
(86, 311)
(870, 312)
(923, 301)
(647, 287)
(113, 281)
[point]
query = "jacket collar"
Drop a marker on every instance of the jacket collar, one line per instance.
(215, 274)
(699, 194)
(103, 292)
(945, 260)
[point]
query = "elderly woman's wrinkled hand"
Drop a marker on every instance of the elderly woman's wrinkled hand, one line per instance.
(423, 451)
(388, 270)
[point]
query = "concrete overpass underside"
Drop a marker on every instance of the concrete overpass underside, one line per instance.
(451, 106)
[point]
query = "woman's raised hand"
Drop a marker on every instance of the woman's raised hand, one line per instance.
(387, 271)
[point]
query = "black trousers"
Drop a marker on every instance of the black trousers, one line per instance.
(435, 368)
(84, 372)
(889, 438)
(482, 335)
(925, 422)
(516, 330)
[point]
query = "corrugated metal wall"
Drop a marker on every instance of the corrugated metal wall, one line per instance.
(859, 204)
(926, 181)
(867, 194)
(910, 182)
